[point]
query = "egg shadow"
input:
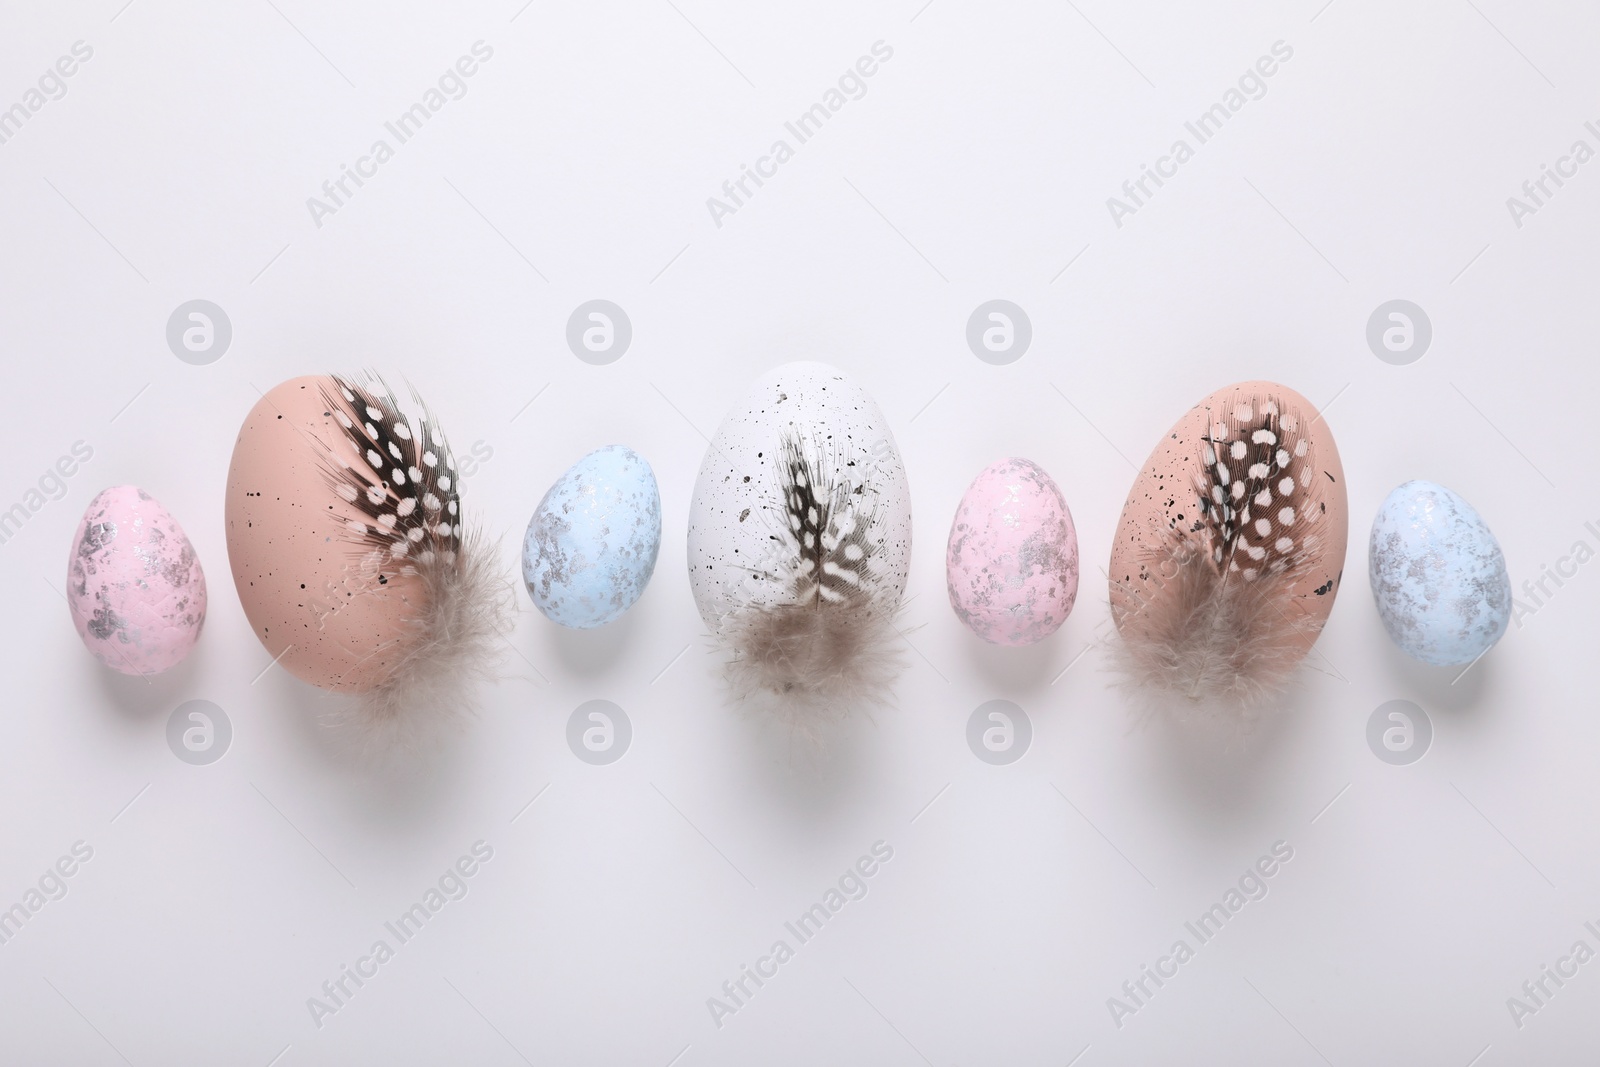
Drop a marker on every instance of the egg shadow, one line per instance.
(593, 652)
(402, 787)
(816, 777)
(1457, 691)
(1010, 668)
(395, 784)
(140, 697)
(1216, 762)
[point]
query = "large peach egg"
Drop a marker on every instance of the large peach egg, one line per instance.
(330, 608)
(1231, 544)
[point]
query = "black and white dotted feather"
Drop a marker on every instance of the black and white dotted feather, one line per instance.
(1255, 469)
(829, 532)
(1211, 620)
(397, 472)
(830, 643)
(400, 476)
(799, 544)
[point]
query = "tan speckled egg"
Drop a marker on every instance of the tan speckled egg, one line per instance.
(1248, 481)
(331, 611)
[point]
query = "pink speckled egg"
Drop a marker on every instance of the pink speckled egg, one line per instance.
(134, 583)
(1012, 562)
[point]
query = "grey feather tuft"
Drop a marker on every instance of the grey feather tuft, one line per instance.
(1213, 645)
(808, 666)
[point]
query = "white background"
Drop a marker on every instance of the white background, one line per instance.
(978, 164)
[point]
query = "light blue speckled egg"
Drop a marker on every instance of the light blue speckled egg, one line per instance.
(592, 543)
(1438, 576)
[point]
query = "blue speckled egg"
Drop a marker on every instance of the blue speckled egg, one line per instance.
(1438, 576)
(592, 543)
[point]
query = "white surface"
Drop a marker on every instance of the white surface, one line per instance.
(177, 166)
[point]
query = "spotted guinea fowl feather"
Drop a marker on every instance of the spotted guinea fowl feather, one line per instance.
(1220, 627)
(829, 538)
(402, 479)
(1253, 488)
(831, 644)
(399, 475)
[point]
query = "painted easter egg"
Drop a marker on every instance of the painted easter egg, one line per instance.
(800, 540)
(134, 583)
(349, 547)
(592, 543)
(1012, 560)
(1438, 575)
(1231, 547)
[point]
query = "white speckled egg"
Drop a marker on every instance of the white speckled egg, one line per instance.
(1438, 576)
(805, 422)
(1012, 560)
(800, 541)
(592, 543)
(134, 583)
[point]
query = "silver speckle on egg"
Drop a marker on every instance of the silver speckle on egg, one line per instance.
(592, 543)
(1438, 576)
(134, 583)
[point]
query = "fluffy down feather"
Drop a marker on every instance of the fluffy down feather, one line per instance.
(1213, 642)
(833, 645)
(401, 476)
(808, 666)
